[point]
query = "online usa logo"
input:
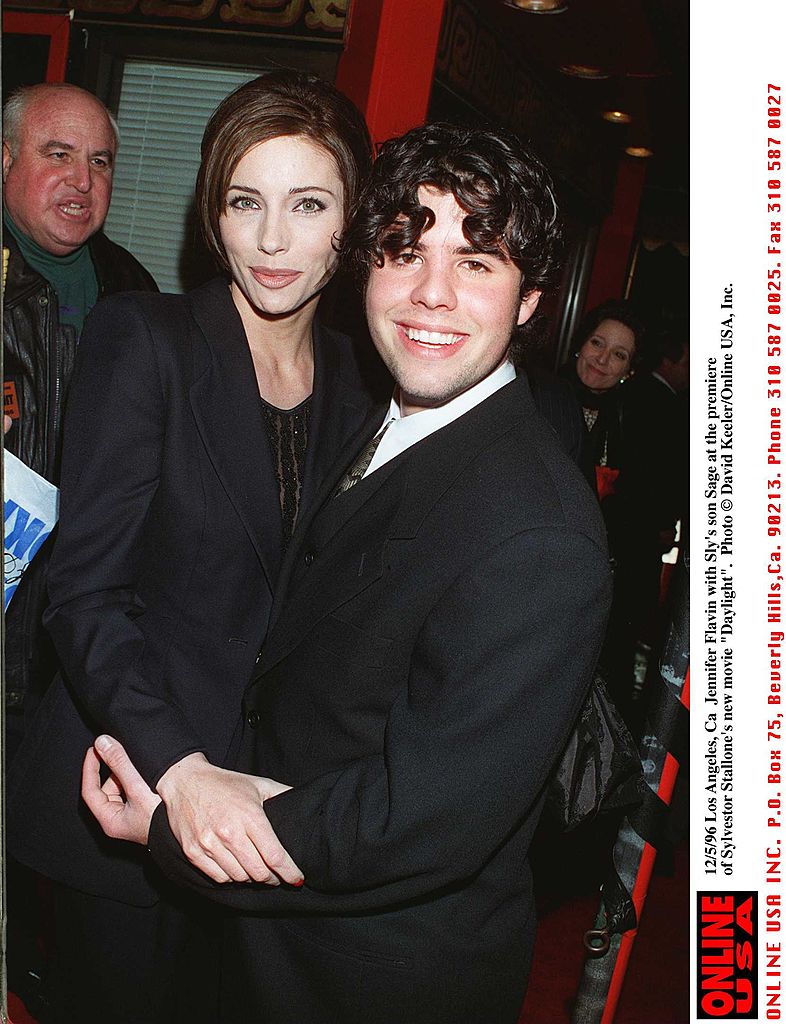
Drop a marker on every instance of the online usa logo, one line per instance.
(726, 951)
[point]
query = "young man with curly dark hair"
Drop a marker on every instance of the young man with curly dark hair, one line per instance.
(439, 617)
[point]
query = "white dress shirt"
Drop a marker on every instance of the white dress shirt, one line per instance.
(404, 431)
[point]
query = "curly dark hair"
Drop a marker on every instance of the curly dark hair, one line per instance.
(507, 193)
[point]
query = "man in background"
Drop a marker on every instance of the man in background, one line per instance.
(59, 148)
(655, 417)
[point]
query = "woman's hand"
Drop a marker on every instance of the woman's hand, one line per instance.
(218, 818)
(124, 804)
(216, 815)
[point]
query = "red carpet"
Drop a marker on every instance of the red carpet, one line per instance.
(17, 1014)
(655, 990)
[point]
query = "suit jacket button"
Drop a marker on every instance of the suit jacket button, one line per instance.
(253, 719)
(309, 557)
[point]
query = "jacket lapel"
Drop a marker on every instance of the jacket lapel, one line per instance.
(342, 568)
(443, 456)
(339, 409)
(321, 500)
(393, 505)
(225, 402)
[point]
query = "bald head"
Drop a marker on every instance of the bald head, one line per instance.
(59, 145)
(16, 104)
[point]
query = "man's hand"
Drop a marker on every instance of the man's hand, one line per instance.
(217, 817)
(124, 805)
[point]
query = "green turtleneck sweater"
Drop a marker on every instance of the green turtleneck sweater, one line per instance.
(73, 277)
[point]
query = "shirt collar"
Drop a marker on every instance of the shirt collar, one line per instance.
(428, 420)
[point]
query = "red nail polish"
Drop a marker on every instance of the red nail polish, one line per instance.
(298, 884)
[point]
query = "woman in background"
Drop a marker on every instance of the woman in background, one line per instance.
(603, 357)
(605, 352)
(198, 427)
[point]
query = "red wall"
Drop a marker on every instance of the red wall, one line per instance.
(388, 62)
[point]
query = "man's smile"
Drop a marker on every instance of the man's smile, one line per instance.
(430, 336)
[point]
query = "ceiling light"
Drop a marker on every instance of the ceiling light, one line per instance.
(538, 6)
(639, 151)
(584, 71)
(617, 117)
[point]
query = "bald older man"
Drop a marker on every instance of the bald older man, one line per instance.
(59, 148)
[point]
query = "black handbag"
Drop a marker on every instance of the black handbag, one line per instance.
(599, 770)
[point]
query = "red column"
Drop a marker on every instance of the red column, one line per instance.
(387, 66)
(56, 26)
(617, 233)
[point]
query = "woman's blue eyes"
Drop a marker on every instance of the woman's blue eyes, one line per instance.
(241, 203)
(307, 204)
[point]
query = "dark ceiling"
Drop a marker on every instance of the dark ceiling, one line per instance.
(643, 47)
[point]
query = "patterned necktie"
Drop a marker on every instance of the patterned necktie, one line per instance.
(361, 464)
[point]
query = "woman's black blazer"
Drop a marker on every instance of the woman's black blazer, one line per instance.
(167, 554)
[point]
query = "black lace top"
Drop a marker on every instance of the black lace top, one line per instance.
(287, 430)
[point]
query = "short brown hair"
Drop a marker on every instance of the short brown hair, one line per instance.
(278, 104)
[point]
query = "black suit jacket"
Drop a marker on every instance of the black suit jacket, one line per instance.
(436, 632)
(169, 546)
(555, 400)
(656, 438)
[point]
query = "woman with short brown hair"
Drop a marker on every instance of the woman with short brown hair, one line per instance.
(198, 427)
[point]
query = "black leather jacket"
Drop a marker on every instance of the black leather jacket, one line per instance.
(38, 357)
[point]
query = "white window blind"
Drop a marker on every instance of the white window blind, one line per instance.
(163, 112)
